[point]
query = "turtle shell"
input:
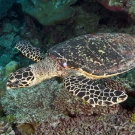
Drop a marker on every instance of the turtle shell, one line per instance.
(101, 55)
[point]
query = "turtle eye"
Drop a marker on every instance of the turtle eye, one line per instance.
(65, 64)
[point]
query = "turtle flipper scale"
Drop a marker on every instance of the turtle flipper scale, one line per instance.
(21, 78)
(92, 92)
(29, 51)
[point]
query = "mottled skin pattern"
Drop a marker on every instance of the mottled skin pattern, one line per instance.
(79, 61)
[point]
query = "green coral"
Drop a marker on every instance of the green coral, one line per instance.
(31, 104)
(11, 67)
(8, 118)
(133, 118)
(48, 12)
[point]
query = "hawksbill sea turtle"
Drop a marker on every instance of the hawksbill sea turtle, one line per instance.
(81, 61)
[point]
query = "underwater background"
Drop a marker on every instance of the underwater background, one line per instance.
(48, 108)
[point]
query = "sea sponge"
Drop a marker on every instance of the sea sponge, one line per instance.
(33, 104)
(11, 67)
(120, 123)
(48, 12)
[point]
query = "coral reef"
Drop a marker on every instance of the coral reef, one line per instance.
(11, 67)
(59, 112)
(38, 103)
(49, 94)
(50, 106)
(120, 123)
(117, 84)
(48, 12)
(2, 73)
(31, 104)
(68, 104)
(2, 82)
(6, 128)
(115, 5)
(120, 5)
(27, 128)
(6, 41)
(4, 6)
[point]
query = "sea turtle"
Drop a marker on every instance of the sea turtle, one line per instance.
(81, 61)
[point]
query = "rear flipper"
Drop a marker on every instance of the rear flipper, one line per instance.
(92, 92)
(29, 51)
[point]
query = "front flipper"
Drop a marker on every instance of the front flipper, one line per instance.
(21, 78)
(29, 51)
(92, 92)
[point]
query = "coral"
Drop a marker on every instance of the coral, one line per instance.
(9, 28)
(9, 31)
(11, 67)
(59, 112)
(48, 12)
(116, 84)
(86, 21)
(115, 5)
(120, 123)
(4, 6)
(120, 5)
(2, 81)
(6, 128)
(31, 104)
(6, 40)
(68, 104)
(131, 11)
(124, 85)
(5, 59)
(46, 100)
(30, 31)
(2, 73)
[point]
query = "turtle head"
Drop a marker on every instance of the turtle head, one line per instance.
(20, 78)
